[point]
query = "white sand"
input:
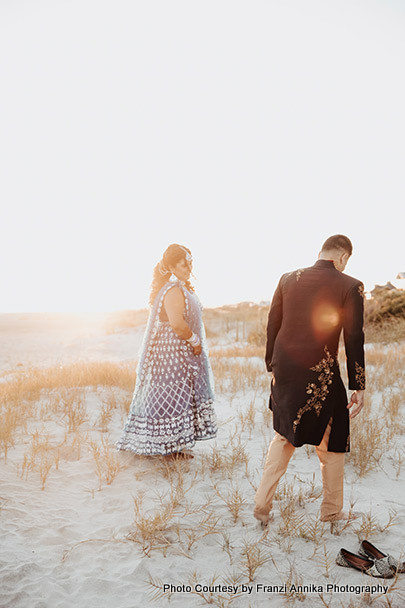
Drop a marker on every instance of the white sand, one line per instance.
(30, 339)
(66, 546)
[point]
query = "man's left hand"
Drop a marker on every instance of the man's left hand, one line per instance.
(358, 399)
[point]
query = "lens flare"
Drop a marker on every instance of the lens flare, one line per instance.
(325, 318)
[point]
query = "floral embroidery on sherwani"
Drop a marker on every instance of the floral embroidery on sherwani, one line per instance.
(361, 290)
(296, 273)
(360, 376)
(318, 393)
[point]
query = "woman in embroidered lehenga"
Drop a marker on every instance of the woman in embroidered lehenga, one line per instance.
(171, 407)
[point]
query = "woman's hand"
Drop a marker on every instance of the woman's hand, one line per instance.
(197, 349)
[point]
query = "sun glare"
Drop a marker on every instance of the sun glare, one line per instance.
(325, 318)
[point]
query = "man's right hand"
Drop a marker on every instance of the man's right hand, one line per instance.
(358, 399)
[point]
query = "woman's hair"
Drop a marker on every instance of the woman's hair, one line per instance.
(161, 273)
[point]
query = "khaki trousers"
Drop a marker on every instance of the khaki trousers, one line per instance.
(278, 457)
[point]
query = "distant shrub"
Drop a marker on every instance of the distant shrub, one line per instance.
(386, 332)
(257, 337)
(385, 305)
(243, 322)
(385, 316)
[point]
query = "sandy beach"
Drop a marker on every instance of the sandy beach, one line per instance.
(83, 525)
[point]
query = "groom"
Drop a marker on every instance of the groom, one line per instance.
(310, 308)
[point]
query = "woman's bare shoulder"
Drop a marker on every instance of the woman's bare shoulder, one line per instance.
(174, 296)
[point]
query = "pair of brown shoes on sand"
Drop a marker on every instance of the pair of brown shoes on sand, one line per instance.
(371, 561)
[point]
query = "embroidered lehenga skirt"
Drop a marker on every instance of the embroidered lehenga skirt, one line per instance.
(172, 405)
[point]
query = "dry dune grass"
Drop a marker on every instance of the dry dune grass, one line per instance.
(235, 501)
(58, 391)
(150, 531)
(385, 366)
(369, 432)
(233, 375)
(390, 332)
(245, 351)
(244, 322)
(381, 419)
(178, 521)
(253, 557)
(40, 393)
(224, 462)
(58, 394)
(28, 385)
(106, 461)
(40, 457)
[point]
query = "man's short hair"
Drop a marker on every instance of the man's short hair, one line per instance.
(338, 241)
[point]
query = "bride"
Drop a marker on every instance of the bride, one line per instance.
(171, 407)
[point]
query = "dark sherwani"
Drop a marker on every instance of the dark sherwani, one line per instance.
(310, 308)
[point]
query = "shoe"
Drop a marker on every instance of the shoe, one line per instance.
(369, 550)
(376, 568)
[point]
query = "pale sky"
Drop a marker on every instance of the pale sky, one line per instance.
(247, 131)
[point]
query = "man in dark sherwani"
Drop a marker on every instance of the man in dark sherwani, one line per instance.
(309, 309)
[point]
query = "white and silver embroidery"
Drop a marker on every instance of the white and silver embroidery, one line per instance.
(171, 407)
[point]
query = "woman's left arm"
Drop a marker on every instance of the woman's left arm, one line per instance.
(174, 306)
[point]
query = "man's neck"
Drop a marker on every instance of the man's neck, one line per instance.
(327, 258)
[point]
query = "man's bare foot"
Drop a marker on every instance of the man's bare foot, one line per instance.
(344, 515)
(263, 519)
